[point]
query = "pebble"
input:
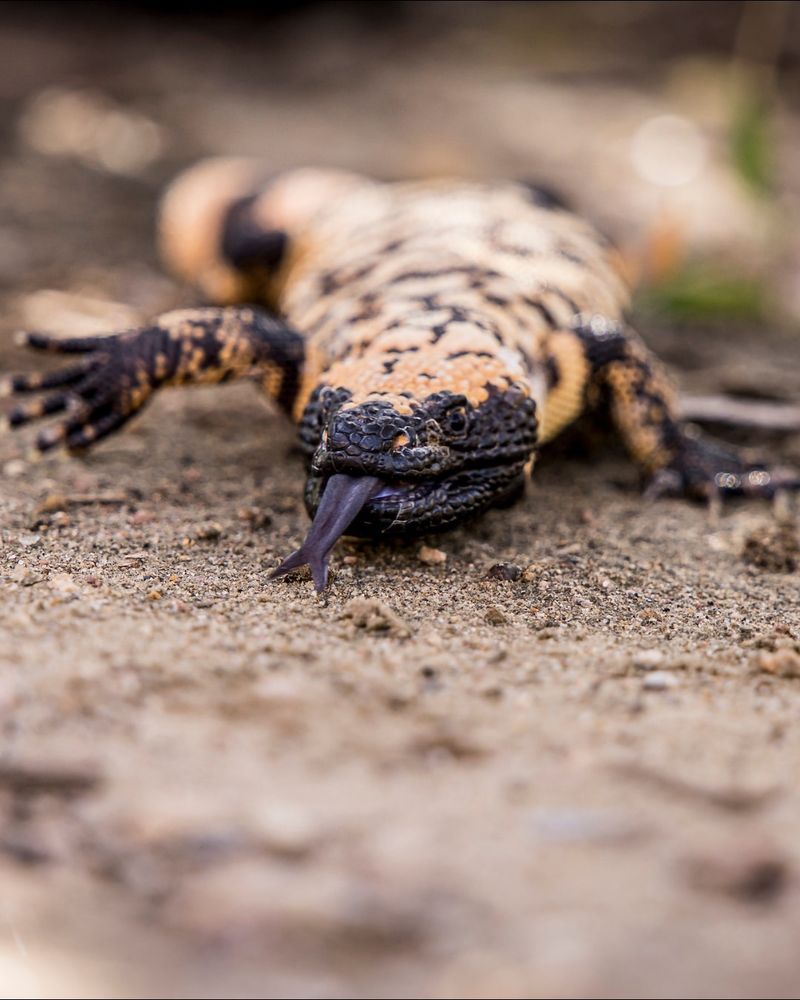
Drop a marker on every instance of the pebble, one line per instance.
(774, 548)
(14, 468)
(74, 313)
(209, 532)
(284, 831)
(648, 659)
(494, 616)
(659, 680)
(374, 616)
(745, 869)
(51, 503)
(781, 663)
(63, 583)
(504, 571)
(255, 517)
(143, 517)
(431, 557)
(280, 692)
(579, 825)
(25, 576)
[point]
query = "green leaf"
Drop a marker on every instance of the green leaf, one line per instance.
(752, 144)
(702, 293)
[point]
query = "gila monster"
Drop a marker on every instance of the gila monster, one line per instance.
(426, 337)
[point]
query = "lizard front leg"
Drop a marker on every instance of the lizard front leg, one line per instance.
(116, 375)
(675, 457)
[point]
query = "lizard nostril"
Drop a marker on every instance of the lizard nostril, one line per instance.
(401, 440)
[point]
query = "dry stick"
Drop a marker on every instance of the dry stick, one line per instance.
(46, 779)
(733, 799)
(742, 412)
(81, 499)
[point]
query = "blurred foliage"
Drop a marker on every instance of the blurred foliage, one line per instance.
(702, 292)
(752, 143)
(703, 289)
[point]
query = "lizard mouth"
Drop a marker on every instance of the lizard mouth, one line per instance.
(342, 500)
(372, 507)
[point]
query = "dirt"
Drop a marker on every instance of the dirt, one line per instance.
(553, 753)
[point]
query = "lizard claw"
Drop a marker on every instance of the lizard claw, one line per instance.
(705, 470)
(664, 483)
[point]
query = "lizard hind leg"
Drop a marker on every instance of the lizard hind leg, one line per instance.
(226, 224)
(207, 230)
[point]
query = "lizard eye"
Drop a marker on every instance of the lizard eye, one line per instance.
(456, 421)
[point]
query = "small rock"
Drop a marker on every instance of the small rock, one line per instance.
(648, 659)
(580, 825)
(25, 576)
(532, 573)
(154, 595)
(504, 571)
(774, 548)
(191, 474)
(51, 503)
(143, 517)
(14, 468)
(63, 583)
(284, 831)
(374, 616)
(255, 517)
(431, 557)
(659, 680)
(494, 616)
(208, 532)
(29, 539)
(781, 663)
(280, 692)
(746, 870)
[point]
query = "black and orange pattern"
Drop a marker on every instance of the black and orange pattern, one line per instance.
(429, 335)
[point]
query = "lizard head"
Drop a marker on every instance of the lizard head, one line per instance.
(393, 464)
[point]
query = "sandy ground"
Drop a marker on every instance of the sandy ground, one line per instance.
(435, 780)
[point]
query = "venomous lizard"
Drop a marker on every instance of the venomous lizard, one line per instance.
(427, 338)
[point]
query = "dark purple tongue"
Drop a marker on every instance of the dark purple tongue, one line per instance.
(343, 498)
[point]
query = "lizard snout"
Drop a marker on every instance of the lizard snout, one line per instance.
(373, 439)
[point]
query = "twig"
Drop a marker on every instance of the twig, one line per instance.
(742, 412)
(103, 498)
(28, 780)
(739, 800)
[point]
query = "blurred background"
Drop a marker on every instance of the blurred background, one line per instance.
(675, 126)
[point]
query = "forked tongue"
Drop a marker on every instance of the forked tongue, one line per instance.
(343, 498)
